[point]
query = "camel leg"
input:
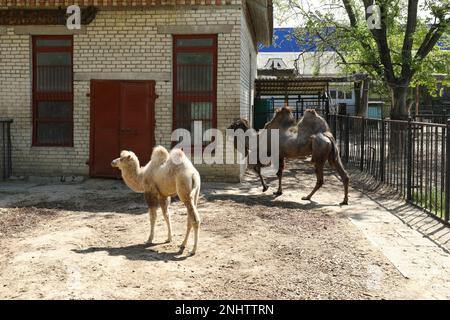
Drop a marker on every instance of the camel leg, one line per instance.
(152, 202)
(280, 177)
(337, 165)
(152, 213)
(263, 182)
(319, 174)
(195, 221)
(164, 203)
(188, 231)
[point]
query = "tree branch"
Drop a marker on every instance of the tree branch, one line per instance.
(380, 36)
(431, 39)
(351, 14)
(409, 38)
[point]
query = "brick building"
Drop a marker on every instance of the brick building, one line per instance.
(136, 70)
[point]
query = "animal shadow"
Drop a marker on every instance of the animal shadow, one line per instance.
(137, 252)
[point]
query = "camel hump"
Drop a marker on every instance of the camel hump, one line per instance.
(159, 155)
(177, 156)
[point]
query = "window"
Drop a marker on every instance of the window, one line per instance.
(349, 95)
(195, 74)
(333, 94)
(52, 91)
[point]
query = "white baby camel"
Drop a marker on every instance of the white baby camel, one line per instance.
(165, 175)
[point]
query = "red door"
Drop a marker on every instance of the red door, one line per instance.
(122, 118)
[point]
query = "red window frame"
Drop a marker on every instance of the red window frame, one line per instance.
(195, 96)
(54, 95)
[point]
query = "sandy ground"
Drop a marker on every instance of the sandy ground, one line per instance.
(86, 241)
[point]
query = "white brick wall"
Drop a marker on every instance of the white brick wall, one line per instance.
(248, 70)
(121, 41)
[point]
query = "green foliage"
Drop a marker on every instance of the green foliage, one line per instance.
(328, 26)
(432, 201)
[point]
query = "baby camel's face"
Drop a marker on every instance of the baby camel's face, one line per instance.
(125, 157)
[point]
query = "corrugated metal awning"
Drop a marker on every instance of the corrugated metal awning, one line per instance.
(275, 87)
(272, 86)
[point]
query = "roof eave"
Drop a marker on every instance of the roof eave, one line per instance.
(261, 13)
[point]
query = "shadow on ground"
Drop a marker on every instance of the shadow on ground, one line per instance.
(137, 252)
(393, 201)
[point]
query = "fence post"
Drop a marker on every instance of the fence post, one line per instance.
(363, 129)
(347, 138)
(382, 149)
(409, 162)
(334, 125)
(447, 175)
(9, 149)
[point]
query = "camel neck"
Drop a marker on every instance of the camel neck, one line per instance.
(133, 178)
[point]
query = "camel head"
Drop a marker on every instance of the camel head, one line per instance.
(283, 118)
(240, 124)
(127, 159)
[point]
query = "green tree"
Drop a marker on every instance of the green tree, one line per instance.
(398, 41)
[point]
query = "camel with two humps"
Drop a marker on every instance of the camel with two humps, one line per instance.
(311, 136)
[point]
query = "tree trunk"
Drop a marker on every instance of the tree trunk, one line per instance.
(399, 109)
(357, 88)
(364, 102)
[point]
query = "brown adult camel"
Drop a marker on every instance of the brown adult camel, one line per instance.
(310, 137)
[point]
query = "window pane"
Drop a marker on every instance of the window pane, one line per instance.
(341, 95)
(195, 42)
(188, 112)
(54, 133)
(54, 109)
(349, 95)
(53, 58)
(183, 110)
(54, 72)
(201, 58)
(201, 110)
(194, 72)
(333, 94)
(53, 42)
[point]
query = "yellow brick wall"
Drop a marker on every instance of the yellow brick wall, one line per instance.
(117, 41)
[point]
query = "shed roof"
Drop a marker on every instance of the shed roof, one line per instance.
(261, 15)
(297, 86)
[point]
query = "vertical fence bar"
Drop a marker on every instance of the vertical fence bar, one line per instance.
(409, 161)
(382, 149)
(335, 118)
(447, 176)
(9, 149)
(363, 125)
(4, 149)
(347, 139)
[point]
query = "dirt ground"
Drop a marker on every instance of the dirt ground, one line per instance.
(86, 241)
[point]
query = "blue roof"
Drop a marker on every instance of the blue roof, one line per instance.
(284, 40)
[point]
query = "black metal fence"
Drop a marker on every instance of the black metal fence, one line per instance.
(411, 157)
(297, 104)
(5, 148)
(433, 118)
